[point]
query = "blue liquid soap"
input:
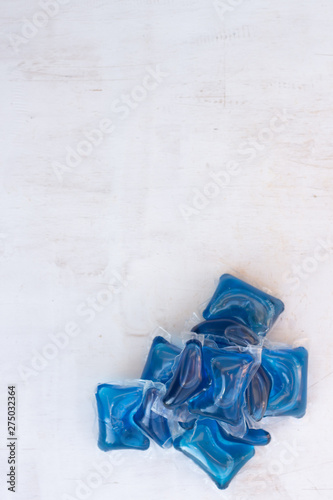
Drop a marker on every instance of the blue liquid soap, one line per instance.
(206, 398)
(189, 378)
(116, 406)
(220, 458)
(288, 370)
(238, 301)
(152, 423)
(254, 437)
(226, 332)
(230, 374)
(161, 360)
(257, 394)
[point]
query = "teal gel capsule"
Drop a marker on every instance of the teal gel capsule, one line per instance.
(220, 458)
(116, 406)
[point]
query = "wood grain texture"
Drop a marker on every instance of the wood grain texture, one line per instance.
(119, 208)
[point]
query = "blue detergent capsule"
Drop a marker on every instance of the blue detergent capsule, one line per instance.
(116, 405)
(189, 424)
(257, 394)
(230, 373)
(183, 416)
(189, 378)
(288, 370)
(152, 423)
(254, 437)
(236, 300)
(220, 458)
(227, 332)
(160, 362)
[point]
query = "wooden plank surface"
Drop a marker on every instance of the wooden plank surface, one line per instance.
(147, 147)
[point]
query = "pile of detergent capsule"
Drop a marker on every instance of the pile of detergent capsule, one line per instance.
(207, 398)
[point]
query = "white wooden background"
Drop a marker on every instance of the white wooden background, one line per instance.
(132, 231)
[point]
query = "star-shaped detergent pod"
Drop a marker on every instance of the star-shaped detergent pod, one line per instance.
(207, 398)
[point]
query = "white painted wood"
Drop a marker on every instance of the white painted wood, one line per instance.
(252, 86)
